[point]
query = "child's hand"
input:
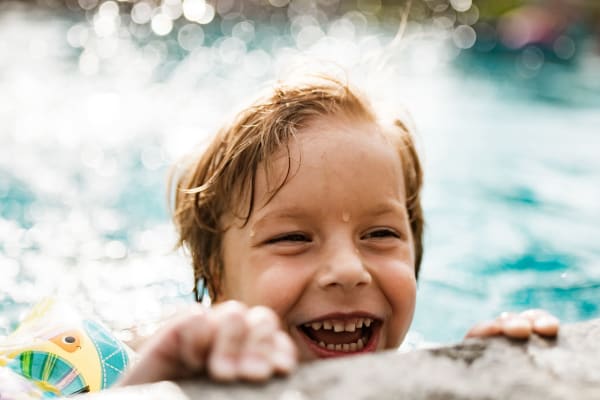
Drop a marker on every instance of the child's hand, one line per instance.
(519, 326)
(227, 342)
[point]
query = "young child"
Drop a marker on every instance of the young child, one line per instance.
(303, 218)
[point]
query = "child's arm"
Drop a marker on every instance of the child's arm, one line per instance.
(227, 342)
(519, 326)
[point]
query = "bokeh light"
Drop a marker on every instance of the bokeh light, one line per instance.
(100, 98)
(162, 24)
(461, 5)
(564, 47)
(464, 37)
(141, 12)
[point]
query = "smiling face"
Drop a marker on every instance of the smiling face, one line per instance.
(332, 252)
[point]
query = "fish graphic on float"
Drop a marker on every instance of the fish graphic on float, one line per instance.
(62, 353)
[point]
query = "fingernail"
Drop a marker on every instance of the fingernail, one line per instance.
(517, 322)
(546, 322)
(223, 367)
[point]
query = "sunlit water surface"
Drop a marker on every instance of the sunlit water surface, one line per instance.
(512, 188)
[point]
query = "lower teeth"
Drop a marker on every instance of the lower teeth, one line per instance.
(346, 347)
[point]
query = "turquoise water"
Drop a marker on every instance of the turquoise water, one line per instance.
(88, 133)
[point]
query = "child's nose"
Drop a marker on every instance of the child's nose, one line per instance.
(344, 267)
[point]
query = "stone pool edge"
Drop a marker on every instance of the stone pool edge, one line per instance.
(497, 368)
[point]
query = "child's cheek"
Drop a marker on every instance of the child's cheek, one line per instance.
(279, 286)
(401, 292)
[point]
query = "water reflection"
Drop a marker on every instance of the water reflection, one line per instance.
(100, 98)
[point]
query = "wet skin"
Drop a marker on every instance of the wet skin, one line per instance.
(334, 244)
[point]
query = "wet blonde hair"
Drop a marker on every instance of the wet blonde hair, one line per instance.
(225, 172)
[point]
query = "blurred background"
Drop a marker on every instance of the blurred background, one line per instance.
(99, 98)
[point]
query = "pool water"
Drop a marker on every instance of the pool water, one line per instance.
(512, 193)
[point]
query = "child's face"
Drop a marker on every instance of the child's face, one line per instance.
(332, 252)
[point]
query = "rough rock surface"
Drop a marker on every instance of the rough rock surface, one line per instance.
(564, 368)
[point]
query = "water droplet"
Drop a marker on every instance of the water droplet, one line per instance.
(345, 216)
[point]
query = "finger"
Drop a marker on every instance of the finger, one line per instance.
(256, 358)
(177, 351)
(285, 356)
(506, 315)
(546, 325)
(516, 327)
(534, 314)
(263, 321)
(542, 321)
(195, 336)
(230, 335)
(485, 329)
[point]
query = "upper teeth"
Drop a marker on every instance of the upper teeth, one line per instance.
(338, 325)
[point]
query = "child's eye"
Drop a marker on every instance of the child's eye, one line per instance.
(289, 237)
(381, 233)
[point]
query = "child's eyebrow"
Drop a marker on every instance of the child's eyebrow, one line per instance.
(396, 208)
(392, 207)
(286, 213)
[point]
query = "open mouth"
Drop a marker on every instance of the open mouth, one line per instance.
(336, 337)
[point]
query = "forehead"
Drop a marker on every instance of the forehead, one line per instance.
(336, 155)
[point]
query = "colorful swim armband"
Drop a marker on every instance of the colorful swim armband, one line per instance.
(55, 353)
